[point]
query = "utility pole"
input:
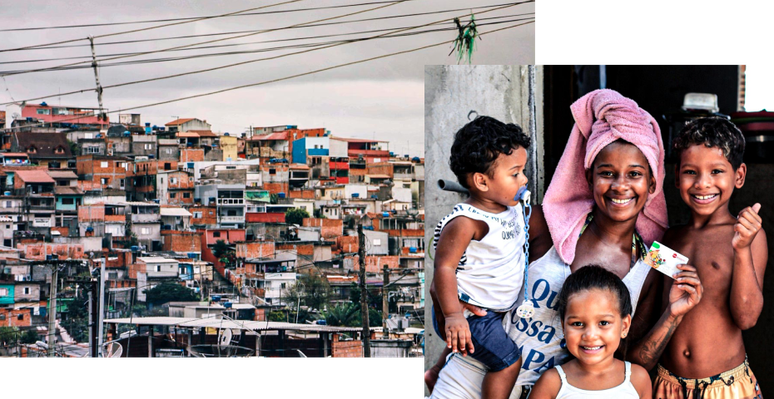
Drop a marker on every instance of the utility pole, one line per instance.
(385, 302)
(96, 77)
(52, 313)
(363, 291)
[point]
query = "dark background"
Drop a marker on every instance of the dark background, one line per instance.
(660, 91)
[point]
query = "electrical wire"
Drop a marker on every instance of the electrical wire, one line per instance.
(149, 28)
(298, 27)
(314, 47)
(396, 2)
(250, 61)
(259, 42)
(188, 18)
(272, 80)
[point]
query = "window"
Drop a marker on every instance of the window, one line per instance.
(43, 111)
(197, 215)
(145, 230)
(103, 164)
(59, 150)
(20, 317)
(148, 146)
(169, 150)
(90, 150)
(186, 195)
(68, 201)
(158, 268)
(172, 195)
(121, 182)
(3, 291)
(216, 234)
(88, 135)
(32, 149)
(172, 180)
(27, 290)
(104, 181)
(123, 165)
(2, 316)
(272, 171)
(8, 204)
(377, 241)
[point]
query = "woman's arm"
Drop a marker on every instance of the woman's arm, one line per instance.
(539, 236)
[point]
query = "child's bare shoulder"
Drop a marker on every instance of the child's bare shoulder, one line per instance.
(640, 379)
(547, 386)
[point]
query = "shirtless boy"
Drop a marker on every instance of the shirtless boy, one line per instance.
(706, 356)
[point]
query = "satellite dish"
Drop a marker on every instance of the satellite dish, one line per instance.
(224, 338)
(114, 349)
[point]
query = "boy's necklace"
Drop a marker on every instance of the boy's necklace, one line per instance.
(638, 246)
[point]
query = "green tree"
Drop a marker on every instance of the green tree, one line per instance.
(8, 335)
(314, 291)
(29, 337)
(168, 292)
(224, 253)
(345, 314)
(296, 216)
(374, 297)
(278, 315)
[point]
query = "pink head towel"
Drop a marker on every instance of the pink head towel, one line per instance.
(602, 117)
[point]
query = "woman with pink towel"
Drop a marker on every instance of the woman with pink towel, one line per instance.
(605, 205)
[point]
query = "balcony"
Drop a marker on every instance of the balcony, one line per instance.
(231, 201)
(146, 217)
(41, 222)
(231, 219)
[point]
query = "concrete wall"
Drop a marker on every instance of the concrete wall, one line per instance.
(451, 93)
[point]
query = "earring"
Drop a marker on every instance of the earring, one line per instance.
(623, 335)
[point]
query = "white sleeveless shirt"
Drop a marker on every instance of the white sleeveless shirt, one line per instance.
(491, 271)
(624, 391)
(541, 339)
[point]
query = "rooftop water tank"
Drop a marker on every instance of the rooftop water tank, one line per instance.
(385, 214)
(413, 250)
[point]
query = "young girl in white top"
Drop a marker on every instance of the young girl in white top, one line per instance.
(595, 308)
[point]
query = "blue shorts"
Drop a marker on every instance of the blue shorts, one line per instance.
(493, 347)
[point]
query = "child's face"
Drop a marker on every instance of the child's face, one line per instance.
(507, 177)
(620, 181)
(593, 326)
(706, 178)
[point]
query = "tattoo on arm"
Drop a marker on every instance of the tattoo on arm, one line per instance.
(651, 351)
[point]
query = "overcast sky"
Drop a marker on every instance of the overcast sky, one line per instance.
(380, 99)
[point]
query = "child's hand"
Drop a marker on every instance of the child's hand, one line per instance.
(747, 225)
(458, 334)
(686, 291)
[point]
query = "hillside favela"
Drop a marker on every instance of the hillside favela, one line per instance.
(136, 238)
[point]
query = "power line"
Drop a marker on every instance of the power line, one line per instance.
(244, 14)
(212, 41)
(315, 46)
(259, 42)
(297, 27)
(151, 27)
(278, 79)
(396, 31)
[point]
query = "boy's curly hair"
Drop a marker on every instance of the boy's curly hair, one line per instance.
(712, 132)
(478, 144)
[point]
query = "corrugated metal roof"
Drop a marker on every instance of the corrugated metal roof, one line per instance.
(272, 136)
(174, 212)
(62, 174)
(226, 323)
